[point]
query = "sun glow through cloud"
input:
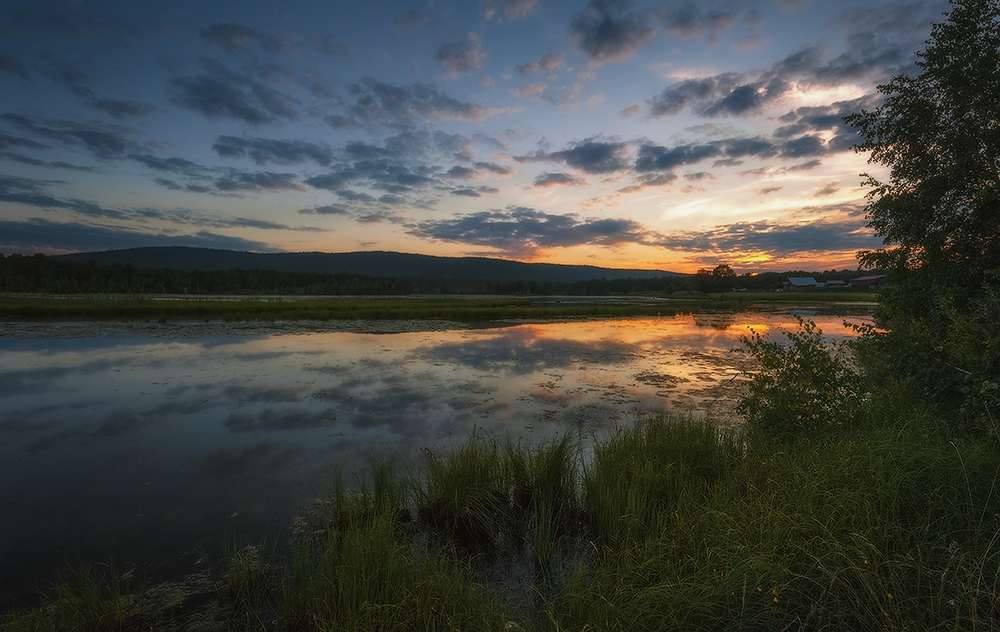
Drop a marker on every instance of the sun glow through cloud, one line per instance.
(605, 133)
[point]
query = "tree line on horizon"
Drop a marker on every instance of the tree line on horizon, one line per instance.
(40, 273)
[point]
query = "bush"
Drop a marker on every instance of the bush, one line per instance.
(802, 386)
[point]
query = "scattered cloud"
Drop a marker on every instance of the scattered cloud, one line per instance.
(41, 235)
(123, 109)
(547, 180)
(13, 65)
(590, 156)
(266, 151)
(777, 239)
(608, 31)
(547, 63)
(220, 92)
(522, 232)
(464, 56)
(687, 20)
(102, 140)
(507, 9)
(379, 104)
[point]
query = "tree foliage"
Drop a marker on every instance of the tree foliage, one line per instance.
(802, 386)
(938, 133)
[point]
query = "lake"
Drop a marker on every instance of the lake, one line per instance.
(151, 443)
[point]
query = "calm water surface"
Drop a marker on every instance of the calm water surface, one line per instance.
(152, 444)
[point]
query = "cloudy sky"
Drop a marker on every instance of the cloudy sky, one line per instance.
(657, 134)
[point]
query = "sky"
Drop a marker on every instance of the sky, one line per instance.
(667, 135)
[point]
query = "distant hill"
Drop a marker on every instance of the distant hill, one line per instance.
(388, 264)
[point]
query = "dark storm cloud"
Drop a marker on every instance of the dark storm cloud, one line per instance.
(607, 31)
(380, 104)
(39, 235)
(522, 231)
(546, 180)
(589, 156)
(508, 9)
(265, 150)
(686, 19)
(122, 109)
(224, 93)
(463, 56)
(104, 141)
(13, 65)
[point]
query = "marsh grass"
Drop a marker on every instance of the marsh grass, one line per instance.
(670, 524)
(85, 599)
(459, 309)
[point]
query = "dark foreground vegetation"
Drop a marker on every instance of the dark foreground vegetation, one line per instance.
(862, 493)
(888, 523)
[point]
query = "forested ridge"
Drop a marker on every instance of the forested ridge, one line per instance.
(39, 273)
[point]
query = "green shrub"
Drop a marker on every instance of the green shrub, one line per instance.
(802, 386)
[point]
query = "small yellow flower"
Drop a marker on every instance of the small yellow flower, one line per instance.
(890, 595)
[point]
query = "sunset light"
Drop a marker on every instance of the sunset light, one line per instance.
(620, 134)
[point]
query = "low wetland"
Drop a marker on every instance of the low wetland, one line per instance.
(529, 470)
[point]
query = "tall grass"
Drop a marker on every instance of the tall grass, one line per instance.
(670, 524)
(84, 599)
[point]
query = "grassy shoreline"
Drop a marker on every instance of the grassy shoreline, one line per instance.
(457, 308)
(671, 524)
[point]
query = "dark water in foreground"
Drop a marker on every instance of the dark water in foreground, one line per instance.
(151, 445)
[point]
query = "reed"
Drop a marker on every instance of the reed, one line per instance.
(670, 524)
(84, 599)
(463, 494)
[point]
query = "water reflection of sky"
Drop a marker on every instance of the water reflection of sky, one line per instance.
(147, 448)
